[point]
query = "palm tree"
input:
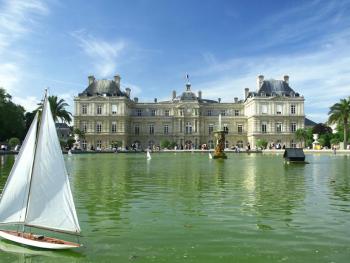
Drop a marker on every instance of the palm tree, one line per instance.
(340, 113)
(301, 135)
(58, 109)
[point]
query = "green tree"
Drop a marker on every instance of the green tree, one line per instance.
(11, 117)
(301, 135)
(80, 133)
(58, 109)
(339, 113)
(261, 143)
(14, 141)
(165, 144)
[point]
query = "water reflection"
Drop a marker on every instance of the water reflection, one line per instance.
(187, 204)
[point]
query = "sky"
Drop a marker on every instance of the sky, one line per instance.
(153, 44)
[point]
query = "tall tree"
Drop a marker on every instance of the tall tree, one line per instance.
(11, 117)
(340, 113)
(58, 109)
(301, 135)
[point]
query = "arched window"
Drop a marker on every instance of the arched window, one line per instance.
(240, 144)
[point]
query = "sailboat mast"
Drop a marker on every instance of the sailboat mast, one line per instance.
(35, 150)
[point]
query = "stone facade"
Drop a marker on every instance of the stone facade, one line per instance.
(108, 115)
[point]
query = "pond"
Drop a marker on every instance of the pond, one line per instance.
(185, 207)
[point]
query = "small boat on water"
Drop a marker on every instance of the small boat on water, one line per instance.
(148, 155)
(210, 156)
(37, 193)
(294, 155)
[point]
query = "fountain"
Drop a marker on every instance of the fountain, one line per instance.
(220, 142)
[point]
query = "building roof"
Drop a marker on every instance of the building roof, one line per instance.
(103, 87)
(61, 125)
(274, 87)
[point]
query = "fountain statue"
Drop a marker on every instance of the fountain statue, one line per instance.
(220, 142)
(316, 145)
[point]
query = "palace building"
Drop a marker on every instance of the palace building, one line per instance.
(107, 115)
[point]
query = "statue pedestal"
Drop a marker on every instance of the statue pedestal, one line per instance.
(220, 145)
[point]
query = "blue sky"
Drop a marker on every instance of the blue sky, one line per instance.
(152, 44)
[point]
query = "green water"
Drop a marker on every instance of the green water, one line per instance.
(185, 207)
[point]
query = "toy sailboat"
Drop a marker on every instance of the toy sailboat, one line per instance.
(148, 155)
(37, 193)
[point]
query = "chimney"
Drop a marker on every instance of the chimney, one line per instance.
(260, 81)
(136, 99)
(219, 100)
(155, 100)
(117, 80)
(200, 94)
(246, 92)
(91, 79)
(236, 99)
(174, 94)
(128, 91)
(286, 79)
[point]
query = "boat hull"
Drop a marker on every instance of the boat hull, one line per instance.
(34, 241)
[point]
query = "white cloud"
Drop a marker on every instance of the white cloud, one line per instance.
(105, 55)
(321, 74)
(29, 103)
(18, 18)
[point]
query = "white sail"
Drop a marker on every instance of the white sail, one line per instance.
(50, 202)
(148, 155)
(15, 194)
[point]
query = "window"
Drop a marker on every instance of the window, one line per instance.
(211, 128)
(153, 112)
(293, 144)
(166, 113)
(166, 129)
(114, 127)
(180, 125)
(181, 112)
(137, 129)
(223, 112)
(239, 144)
(240, 128)
(114, 109)
(84, 109)
(188, 129)
(226, 144)
(264, 109)
(195, 112)
(84, 144)
(236, 112)
(293, 127)
(211, 144)
(225, 128)
(84, 127)
(99, 109)
(99, 144)
(151, 129)
(263, 127)
(209, 112)
(98, 127)
(279, 109)
(139, 112)
(279, 127)
(292, 109)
